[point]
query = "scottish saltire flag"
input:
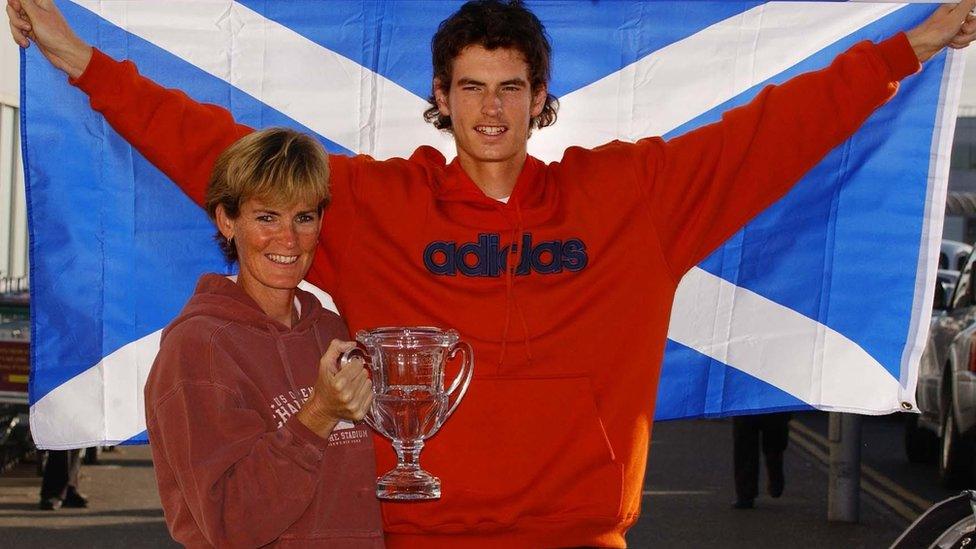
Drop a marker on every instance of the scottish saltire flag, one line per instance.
(821, 301)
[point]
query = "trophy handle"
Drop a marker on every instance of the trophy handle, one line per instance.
(360, 351)
(463, 378)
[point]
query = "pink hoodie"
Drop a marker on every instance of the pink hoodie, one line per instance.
(234, 467)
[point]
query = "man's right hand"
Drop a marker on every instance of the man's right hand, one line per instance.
(339, 394)
(40, 22)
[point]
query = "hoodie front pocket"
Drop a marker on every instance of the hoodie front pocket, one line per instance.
(530, 449)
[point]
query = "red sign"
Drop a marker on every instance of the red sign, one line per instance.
(14, 366)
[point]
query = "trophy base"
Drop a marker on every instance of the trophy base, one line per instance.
(406, 484)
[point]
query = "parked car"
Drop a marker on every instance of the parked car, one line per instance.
(946, 392)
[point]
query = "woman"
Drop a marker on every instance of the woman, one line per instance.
(247, 412)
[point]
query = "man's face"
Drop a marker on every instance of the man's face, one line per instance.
(491, 103)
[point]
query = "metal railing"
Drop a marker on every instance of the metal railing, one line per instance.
(14, 285)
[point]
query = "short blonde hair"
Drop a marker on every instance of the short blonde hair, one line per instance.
(279, 166)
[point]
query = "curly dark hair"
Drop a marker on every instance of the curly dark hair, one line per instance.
(492, 24)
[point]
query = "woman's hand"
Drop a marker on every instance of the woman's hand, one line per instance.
(40, 22)
(338, 394)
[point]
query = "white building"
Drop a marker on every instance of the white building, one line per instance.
(13, 207)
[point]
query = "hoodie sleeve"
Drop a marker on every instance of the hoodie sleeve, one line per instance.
(242, 484)
(708, 183)
(178, 135)
(183, 138)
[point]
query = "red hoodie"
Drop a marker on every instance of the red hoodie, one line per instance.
(565, 291)
(234, 468)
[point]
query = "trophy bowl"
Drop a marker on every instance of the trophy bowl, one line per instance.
(410, 401)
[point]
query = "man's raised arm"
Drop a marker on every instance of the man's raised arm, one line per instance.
(178, 135)
(708, 183)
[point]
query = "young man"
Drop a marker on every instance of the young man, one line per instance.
(562, 276)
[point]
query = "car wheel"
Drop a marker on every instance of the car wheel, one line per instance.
(948, 523)
(921, 445)
(956, 455)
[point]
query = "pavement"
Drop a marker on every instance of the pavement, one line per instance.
(124, 508)
(688, 491)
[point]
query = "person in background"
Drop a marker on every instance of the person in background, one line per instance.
(59, 484)
(746, 432)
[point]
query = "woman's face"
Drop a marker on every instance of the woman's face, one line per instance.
(274, 245)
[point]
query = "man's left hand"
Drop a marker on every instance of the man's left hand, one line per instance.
(950, 25)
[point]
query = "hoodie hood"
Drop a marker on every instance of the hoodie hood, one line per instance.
(220, 297)
(217, 296)
(531, 203)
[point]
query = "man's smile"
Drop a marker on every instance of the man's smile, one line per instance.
(490, 130)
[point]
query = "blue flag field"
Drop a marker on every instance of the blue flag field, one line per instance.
(822, 301)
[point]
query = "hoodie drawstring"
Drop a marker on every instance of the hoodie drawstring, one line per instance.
(525, 325)
(318, 341)
(510, 268)
(283, 355)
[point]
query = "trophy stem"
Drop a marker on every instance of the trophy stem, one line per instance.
(408, 481)
(408, 454)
